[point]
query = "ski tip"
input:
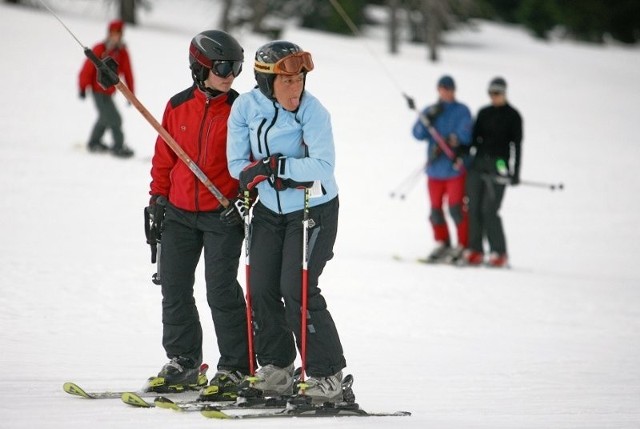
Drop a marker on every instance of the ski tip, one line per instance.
(166, 403)
(74, 389)
(135, 400)
(214, 413)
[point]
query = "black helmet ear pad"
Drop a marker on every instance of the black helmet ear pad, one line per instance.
(200, 72)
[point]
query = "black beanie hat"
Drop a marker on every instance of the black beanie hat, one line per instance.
(498, 84)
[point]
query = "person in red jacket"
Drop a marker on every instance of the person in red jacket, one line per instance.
(108, 115)
(194, 220)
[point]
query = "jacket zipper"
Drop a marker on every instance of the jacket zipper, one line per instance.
(266, 146)
(196, 181)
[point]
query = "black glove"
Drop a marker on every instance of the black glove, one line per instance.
(82, 94)
(291, 184)
(515, 180)
(434, 111)
(153, 217)
(156, 208)
(234, 213)
(258, 171)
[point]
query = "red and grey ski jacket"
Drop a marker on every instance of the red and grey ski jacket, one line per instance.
(198, 122)
(88, 77)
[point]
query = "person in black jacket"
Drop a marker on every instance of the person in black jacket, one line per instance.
(497, 142)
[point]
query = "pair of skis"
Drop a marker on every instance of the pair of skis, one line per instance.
(243, 408)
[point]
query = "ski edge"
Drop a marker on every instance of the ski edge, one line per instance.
(215, 413)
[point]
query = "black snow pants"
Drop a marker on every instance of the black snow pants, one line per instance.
(485, 198)
(276, 288)
(185, 235)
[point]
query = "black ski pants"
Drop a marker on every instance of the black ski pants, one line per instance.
(485, 198)
(185, 235)
(276, 288)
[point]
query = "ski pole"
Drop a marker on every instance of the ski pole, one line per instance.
(305, 285)
(247, 267)
(107, 77)
(507, 181)
(407, 183)
(551, 186)
(442, 144)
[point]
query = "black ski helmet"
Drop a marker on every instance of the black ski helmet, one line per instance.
(270, 54)
(210, 46)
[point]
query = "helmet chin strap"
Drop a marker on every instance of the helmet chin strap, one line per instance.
(201, 85)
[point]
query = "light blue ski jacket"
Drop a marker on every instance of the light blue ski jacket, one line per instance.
(259, 127)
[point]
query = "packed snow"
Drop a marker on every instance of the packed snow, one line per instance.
(553, 342)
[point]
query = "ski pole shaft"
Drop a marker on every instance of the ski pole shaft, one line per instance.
(502, 180)
(305, 283)
(407, 183)
(551, 186)
(442, 144)
(247, 268)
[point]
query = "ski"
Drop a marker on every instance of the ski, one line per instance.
(422, 260)
(327, 410)
(133, 399)
(154, 387)
(75, 390)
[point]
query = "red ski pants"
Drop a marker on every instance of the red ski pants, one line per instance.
(451, 192)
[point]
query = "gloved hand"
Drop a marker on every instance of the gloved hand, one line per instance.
(234, 213)
(258, 171)
(82, 94)
(452, 141)
(291, 184)
(153, 217)
(156, 207)
(434, 111)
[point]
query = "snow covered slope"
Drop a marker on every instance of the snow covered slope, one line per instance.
(554, 342)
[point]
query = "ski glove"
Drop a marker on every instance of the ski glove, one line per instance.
(236, 211)
(82, 94)
(258, 171)
(153, 217)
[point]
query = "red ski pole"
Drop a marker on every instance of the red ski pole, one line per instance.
(305, 285)
(247, 267)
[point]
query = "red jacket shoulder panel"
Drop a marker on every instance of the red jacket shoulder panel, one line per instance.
(199, 125)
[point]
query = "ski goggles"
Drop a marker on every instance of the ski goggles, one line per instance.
(223, 68)
(289, 66)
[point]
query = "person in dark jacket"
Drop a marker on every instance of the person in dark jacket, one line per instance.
(108, 115)
(497, 142)
(197, 119)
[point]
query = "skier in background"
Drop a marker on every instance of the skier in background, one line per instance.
(281, 141)
(108, 115)
(445, 176)
(195, 220)
(497, 142)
